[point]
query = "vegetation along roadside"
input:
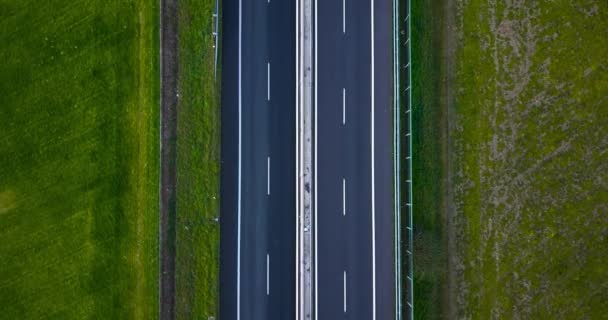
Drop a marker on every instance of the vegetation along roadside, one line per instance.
(429, 123)
(198, 163)
(530, 159)
(79, 159)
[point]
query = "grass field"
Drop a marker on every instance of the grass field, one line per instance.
(78, 159)
(429, 130)
(531, 159)
(198, 165)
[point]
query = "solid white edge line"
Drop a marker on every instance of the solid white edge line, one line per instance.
(267, 274)
(373, 169)
(315, 183)
(344, 290)
(343, 196)
(268, 175)
(297, 179)
(238, 251)
(268, 81)
(343, 106)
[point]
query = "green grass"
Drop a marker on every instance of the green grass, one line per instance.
(428, 126)
(530, 152)
(78, 159)
(198, 165)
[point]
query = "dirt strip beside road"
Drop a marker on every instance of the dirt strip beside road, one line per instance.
(169, 96)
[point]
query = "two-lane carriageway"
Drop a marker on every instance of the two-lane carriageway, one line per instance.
(257, 247)
(353, 205)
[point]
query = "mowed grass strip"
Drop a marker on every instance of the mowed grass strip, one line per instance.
(429, 158)
(198, 165)
(78, 159)
(531, 186)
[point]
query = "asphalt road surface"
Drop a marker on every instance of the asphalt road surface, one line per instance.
(257, 250)
(354, 208)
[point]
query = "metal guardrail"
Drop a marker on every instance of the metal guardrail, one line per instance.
(404, 306)
(397, 162)
(408, 160)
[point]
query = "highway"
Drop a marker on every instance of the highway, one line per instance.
(353, 160)
(257, 246)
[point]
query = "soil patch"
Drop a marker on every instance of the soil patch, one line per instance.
(169, 97)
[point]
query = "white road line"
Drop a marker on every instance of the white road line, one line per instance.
(373, 169)
(297, 180)
(267, 274)
(315, 184)
(344, 290)
(343, 197)
(238, 251)
(268, 175)
(343, 106)
(343, 16)
(268, 82)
